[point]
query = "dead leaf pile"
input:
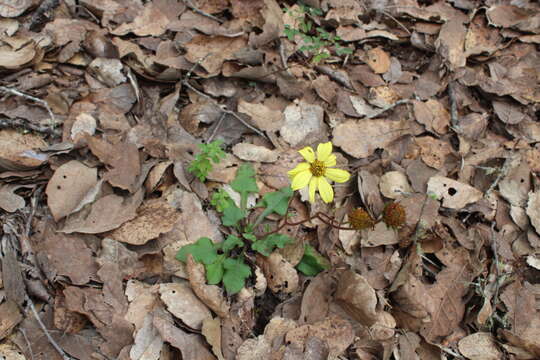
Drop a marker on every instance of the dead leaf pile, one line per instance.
(434, 105)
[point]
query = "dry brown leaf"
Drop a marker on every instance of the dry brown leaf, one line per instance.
(479, 346)
(432, 115)
(123, 159)
(262, 116)
(440, 305)
(273, 24)
(455, 195)
(18, 150)
(450, 43)
(251, 152)
(211, 295)
(13, 8)
(394, 185)
(508, 113)
(375, 134)
(316, 299)
(434, 152)
(11, 317)
(513, 16)
(192, 225)
(184, 304)
(142, 300)
(304, 124)
(212, 51)
(211, 329)
(153, 218)
(480, 38)
(259, 348)
(107, 213)
(68, 186)
(357, 298)
(379, 235)
(9, 201)
(147, 343)
(335, 331)
(67, 255)
(11, 352)
(378, 60)
(152, 21)
(383, 96)
(280, 274)
(191, 346)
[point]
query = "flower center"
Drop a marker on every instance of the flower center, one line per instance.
(317, 168)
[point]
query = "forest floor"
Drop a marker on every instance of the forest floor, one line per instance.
(145, 196)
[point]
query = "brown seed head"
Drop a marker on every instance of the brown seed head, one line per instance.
(394, 215)
(360, 219)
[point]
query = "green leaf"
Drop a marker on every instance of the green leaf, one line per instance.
(275, 202)
(201, 165)
(231, 242)
(220, 200)
(244, 183)
(312, 262)
(236, 272)
(232, 214)
(203, 251)
(214, 271)
(268, 244)
(250, 237)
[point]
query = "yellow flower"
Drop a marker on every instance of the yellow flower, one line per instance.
(315, 172)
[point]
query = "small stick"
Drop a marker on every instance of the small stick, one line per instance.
(218, 125)
(6, 123)
(453, 106)
(225, 110)
(30, 97)
(27, 343)
(200, 12)
(45, 331)
(399, 102)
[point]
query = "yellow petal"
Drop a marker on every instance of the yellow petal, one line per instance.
(303, 166)
(326, 191)
(337, 175)
(324, 150)
(330, 161)
(313, 184)
(308, 154)
(301, 180)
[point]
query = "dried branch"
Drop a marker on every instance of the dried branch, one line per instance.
(399, 102)
(6, 123)
(190, 5)
(33, 98)
(46, 332)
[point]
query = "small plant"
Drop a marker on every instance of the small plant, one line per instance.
(225, 262)
(318, 40)
(202, 164)
(228, 262)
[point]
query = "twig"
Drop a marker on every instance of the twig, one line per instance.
(45, 331)
(496, 257)
(39, 16)
(224, 109)
(200, 12)
(30, 97)
(218, 125)
(399, 102)
(27, 343)
(453, 106)
(397, 21)
(6, 123)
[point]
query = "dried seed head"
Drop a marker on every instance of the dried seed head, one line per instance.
(394, 215)
(360, 219)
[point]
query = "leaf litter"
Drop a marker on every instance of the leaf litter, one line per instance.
(433, 105)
